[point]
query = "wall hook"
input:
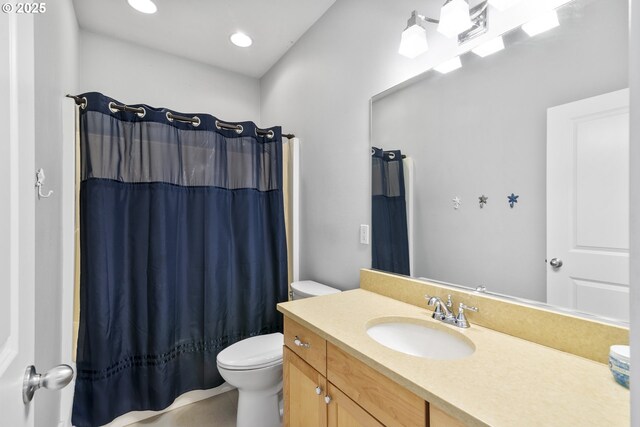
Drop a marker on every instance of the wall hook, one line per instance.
(39, 181)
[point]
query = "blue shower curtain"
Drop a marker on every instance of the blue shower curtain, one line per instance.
(389, 240)
(183, 252)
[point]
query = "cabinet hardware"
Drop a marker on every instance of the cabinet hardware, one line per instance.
(299, 343)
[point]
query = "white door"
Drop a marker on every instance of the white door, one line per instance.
(17, 202)
(588, 205)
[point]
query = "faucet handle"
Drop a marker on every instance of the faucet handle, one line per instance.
(449, 301)
(463, 307)
(461, 319)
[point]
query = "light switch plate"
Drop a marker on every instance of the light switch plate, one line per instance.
(364, 234)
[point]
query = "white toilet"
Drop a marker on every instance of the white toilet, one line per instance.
(254, 366)
(309, 288)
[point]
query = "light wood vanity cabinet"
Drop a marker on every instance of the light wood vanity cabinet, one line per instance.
(322, 384)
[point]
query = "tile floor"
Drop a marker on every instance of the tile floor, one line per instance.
(217, 411)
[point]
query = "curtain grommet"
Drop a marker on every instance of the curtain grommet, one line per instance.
(169, 116)
(112, 107)
(228, 126)
(143, 113)
(84, 103)
(270, 134)
(196, 121)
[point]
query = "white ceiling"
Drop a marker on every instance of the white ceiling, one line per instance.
(200, 29)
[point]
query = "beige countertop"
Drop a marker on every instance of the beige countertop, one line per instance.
(507, 381)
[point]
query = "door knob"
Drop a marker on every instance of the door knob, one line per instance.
(53, 379)
(555, 263)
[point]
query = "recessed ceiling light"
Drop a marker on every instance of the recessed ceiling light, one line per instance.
(144, 6)
(241, 39)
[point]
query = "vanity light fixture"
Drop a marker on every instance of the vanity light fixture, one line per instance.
(541, 23)
(414, 38)
(491, 46)
(456, 20)
(240, 39)
(144, 6)
(450, 65)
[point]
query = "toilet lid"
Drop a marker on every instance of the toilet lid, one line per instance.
(310, 288)
(252, 353)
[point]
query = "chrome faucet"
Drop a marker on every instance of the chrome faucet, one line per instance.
(442, 310)
(444, 313)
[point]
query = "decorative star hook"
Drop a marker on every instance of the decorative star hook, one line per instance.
(483, 200)
(456, 202)
(513, 199)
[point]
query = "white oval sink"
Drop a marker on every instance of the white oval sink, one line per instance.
(422, 339)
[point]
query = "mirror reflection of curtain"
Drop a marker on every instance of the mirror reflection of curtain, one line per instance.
(389, 241)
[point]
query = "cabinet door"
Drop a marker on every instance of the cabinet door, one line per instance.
(304, 404)
(439, 418)
(344, 412)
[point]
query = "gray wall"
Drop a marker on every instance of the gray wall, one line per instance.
(56, 36)
(135, 74)
(320, 91)
(482, 130)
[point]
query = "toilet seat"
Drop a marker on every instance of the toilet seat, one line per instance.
(257, 352)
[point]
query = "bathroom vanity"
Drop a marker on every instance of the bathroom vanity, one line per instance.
(335, 374)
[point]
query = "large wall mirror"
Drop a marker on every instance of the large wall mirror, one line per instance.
(545, 119)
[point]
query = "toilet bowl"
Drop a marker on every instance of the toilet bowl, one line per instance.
(254, 367)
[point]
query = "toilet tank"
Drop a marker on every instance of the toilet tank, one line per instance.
(309, 288)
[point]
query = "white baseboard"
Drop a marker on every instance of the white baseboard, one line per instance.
(185, 399)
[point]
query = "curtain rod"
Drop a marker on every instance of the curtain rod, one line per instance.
(195, 120)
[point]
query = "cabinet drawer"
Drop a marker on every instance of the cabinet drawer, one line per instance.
(311, 348)
(387, 401)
